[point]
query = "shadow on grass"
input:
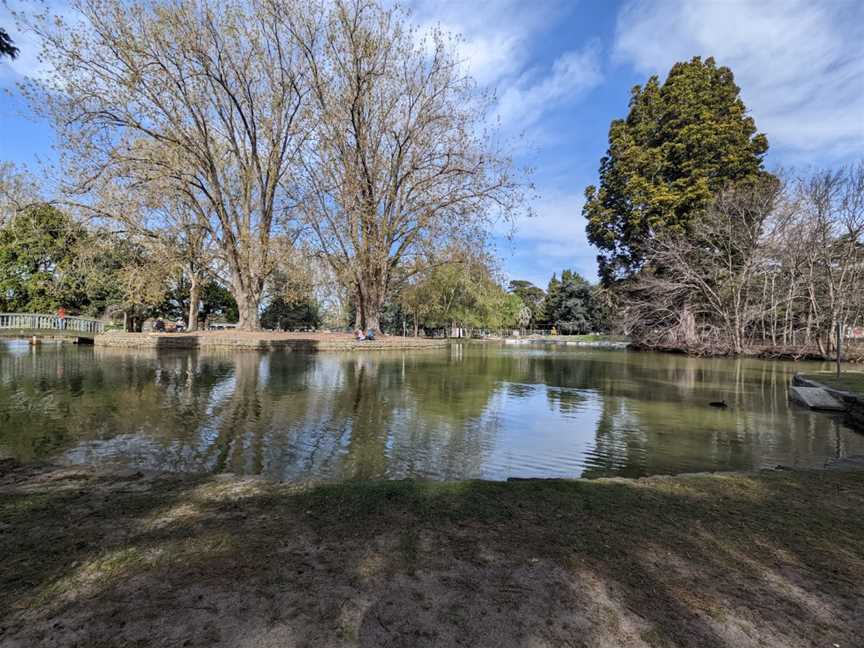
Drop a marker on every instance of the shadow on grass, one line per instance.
(772, 559)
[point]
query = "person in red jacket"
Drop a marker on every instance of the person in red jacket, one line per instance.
(61, 318)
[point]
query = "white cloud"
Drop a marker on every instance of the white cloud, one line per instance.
(572, 74)
(558, 218)
(552, 240)
(495, 34)
(27, 63)
(497, 41)
(491, 56)
(800, 64)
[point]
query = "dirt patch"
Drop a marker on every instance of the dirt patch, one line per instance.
(132, 559)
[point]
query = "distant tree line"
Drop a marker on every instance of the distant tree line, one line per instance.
(49, 260)
(570, 305)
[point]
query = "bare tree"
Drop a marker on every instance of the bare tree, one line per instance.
(18, 192)
(768, 268)
(699, 289)
(400, 162)
(198, 98)
(171, 231)
(832, 203)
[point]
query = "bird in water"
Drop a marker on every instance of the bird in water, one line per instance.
(719, 404)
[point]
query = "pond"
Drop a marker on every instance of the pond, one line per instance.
(469, 411)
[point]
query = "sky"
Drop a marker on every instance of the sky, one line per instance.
(562, 70)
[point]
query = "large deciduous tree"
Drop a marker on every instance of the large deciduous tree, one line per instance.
(199, 99)
(401, 162)
(682, 142)
(462, 292)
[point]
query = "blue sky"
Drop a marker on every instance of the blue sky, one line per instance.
(563, 70)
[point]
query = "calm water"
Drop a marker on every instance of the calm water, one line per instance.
(469, 411)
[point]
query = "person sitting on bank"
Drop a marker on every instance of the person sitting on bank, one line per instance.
(370, 334)
(358, 334)
(159, 325)
(180, 326)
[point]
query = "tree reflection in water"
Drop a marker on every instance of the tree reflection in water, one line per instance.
(471, 411)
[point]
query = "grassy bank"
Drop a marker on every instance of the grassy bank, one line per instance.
(769, 559)
(590, 337)
(852, 354)
(850, 381)
(598, 337)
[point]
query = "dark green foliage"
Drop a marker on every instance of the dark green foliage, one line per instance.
(216, 302)
(681, 143)
(7, 47)
(392, 317)
(283, 315)
(48, 260)
(531, 296)
(37, 262)
(571, 305)
(292, 304)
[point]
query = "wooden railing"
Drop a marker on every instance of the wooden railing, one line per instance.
(39, 323)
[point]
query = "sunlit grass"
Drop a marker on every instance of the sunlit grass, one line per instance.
(851, 381)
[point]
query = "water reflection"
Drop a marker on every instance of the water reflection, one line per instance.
(470, 411)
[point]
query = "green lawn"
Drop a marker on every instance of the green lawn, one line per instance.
(601, 337)
(851, 381)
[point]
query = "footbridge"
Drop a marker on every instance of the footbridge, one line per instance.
(37, 325)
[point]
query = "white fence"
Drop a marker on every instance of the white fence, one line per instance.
(38, 322)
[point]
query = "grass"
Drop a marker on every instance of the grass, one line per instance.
(774, 558)
(851, 381)
(593, 337)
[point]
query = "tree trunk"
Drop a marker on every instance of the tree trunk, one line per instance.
(359, 320)
(371, 303)
(194, 299)
(248, 299)
(373, 321)
(247, 307)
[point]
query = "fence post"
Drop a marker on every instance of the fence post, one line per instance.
(839, 341)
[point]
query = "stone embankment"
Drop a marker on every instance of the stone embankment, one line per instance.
(263, 341)
(852, 402)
